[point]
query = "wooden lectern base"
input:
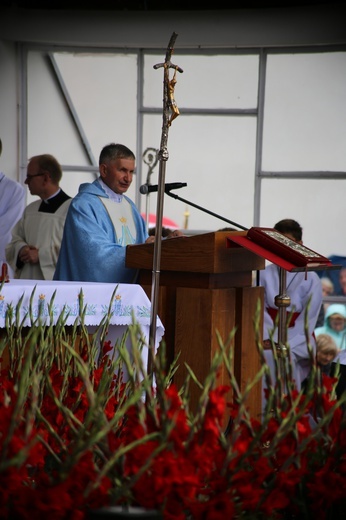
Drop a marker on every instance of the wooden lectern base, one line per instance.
(192, 316)
(205, 287)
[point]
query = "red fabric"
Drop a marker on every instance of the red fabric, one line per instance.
(243, 241)
(290, 322)
(260, 251)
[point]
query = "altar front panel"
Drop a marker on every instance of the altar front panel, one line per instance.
(36, 302)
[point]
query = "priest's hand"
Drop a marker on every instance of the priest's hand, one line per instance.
(28, 255)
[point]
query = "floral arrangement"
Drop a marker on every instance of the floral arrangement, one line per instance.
(76, 438)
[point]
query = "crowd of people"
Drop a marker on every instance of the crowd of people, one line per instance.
(334, 325)
(84, 238)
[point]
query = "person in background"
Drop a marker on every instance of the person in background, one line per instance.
(326, 352)
(327, 287)
(327, 290)
(335, 327)
(101, 222)
(305, 292)
(34, 248)
(166, 232)
(12, 205)
(228, 229)
(335, 324)
(341, 291)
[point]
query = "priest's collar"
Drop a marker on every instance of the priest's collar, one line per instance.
(52, 196)
(116, 197)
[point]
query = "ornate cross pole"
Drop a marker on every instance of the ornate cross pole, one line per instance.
(282, 301)
(170, 112)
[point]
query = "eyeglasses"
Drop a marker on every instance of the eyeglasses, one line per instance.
(28, 177)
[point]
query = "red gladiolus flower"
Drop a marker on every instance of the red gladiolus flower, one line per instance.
(62, 453)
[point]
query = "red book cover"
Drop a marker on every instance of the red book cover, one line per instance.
(288, 249)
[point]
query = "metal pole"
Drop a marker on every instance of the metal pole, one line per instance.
(170, 112)
(282, 301)
(150, 157)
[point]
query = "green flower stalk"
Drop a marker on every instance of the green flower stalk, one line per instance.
(76, 435)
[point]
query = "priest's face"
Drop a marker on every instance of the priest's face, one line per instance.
(118, 174)
(35, 179)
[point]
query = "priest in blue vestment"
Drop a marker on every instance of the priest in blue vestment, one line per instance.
(101, 222)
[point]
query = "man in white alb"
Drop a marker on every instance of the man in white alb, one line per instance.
(34, 248)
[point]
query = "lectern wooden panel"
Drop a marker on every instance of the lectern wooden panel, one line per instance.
(205, 287)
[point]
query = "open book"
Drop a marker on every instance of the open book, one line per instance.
(277, 248)
(281, 245)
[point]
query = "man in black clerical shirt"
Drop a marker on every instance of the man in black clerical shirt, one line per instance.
(36, 238)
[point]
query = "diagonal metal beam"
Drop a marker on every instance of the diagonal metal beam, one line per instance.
(72, 110)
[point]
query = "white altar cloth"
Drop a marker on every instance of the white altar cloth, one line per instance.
(130, 304)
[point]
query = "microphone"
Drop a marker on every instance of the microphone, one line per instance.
(151, 188)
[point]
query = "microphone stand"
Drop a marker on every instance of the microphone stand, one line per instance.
(174, 196)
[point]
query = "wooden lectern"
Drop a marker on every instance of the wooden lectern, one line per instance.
(205, 287)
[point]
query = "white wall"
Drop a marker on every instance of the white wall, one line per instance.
(8, 110)
(125, 29)
(316, 25)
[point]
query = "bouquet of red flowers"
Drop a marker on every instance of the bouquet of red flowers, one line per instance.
(75, 437)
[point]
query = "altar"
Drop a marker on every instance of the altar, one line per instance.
(43, 301)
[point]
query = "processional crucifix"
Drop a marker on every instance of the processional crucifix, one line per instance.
(170, 112)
